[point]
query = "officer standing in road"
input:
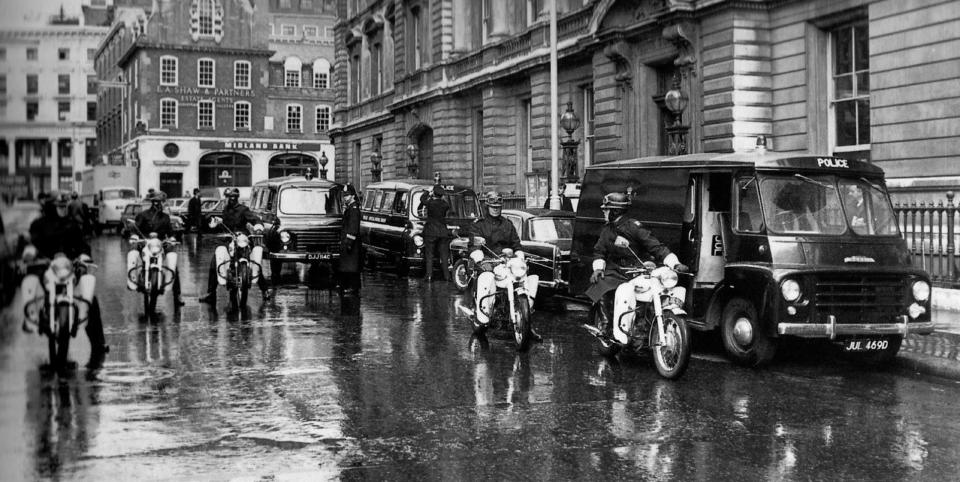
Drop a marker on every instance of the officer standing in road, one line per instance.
(349, 264)
(194, 211)
(154, 220)
(436, 236)
(236, 217)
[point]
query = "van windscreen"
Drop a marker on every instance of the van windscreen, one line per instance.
(307, 201)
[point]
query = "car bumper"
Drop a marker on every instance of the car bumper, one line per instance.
(303, 257)
(832, 329)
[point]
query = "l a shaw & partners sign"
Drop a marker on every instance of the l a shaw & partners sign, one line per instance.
(193, 94)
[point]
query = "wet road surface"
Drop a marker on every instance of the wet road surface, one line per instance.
(293, 389)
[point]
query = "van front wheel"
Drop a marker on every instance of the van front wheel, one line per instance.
(743, 337)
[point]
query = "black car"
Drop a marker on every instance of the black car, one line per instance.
(545, 236)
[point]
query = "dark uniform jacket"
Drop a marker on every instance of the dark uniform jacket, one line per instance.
(154, 221)
(498, 233)
(436, 226)
(350, 248)
(53, 234)
(642, 242)
(237, 217)
(194, 208)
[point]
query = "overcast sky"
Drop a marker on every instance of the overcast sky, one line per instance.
(26, 13)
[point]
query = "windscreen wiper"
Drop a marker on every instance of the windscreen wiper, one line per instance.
(811, 181)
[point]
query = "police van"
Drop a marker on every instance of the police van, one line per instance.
(780, 245)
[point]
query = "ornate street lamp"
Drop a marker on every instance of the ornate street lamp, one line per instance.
(412, 152)
(676, 101)
(570, 123)
(375, 159)
(323, 165)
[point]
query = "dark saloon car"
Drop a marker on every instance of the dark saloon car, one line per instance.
(545, 236)
(394, 214)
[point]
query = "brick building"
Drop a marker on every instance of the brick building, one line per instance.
(193, 97)
(467, 83)
(47, 105)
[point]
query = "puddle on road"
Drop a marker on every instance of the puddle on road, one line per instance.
(133, 374)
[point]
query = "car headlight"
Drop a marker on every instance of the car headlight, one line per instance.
(243, 241)
(668, 278)
(921, 291)
(790, 290)
(501, 272)
(476, 255)
(154, 246)
(418, 241)
(62, 268)
(284, 237)
(517, 267)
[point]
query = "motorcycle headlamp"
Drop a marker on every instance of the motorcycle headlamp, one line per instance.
(790, 290)
(243, 241)
(62, 268)
(668, 278)
(921, 291)
(284, 237)
(418, 241)
(154, 246)
(500, 272)
(517, 267)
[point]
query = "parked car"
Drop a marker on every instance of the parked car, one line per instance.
(545, 236)
(393, 215)
(133, 209)
(15, 220)
(302, 220)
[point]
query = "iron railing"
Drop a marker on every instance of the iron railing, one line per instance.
(929, 230)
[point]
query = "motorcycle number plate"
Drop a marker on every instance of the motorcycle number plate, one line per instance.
(318, 255)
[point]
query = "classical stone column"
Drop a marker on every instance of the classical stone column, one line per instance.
(54, 163)
(79, 155)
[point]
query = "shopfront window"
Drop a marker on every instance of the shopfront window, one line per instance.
(225, 169)
(295, 164)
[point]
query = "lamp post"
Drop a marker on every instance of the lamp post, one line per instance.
(323, 165)
(375, 159)
(676, 101)
(412, 152)
(569, 122)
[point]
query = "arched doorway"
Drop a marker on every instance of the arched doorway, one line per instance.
(421, 135)
(224, 169)
(292, 164)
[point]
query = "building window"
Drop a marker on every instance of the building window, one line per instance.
(3, 53)
(241, 74)
(310, 31)
(205, 73)
(63, 111)
(224, 169)
(3, 84)
(306, 4)
(205, 109)
(294, 118)
(31, 53)
(356, 71)
(91, 54)
(288, 30)
(416, 37)
(91, 111)
(291, 72)
(241, 116)
(3, 108)
(168, 70)
(323, 118)
(376, 70)
(321, 74)
(589, 123)
(850, 91)
(285, 4)
(533, 10)
(206, 18)
(32, 84)
(63, 54)
(32, 110)
(91, 84)
(168, 113)
(486, 20)
(63, 83)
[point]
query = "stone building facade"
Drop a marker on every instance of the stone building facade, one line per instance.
(193, 98)
(467, 83)
(47, 106)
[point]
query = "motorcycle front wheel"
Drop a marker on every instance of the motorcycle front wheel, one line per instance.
(150, 297)
(59, 342)
(522, 329)
(671, 355)
(461, 275)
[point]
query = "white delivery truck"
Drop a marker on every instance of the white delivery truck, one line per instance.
(107, 190)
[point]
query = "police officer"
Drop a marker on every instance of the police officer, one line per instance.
(56, 232)
(498, 233)
(236, 217)
(623, 242)
(436, 235)
(194, 211)
(154, 220)
(349, 264)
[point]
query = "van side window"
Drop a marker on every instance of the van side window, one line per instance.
(378, 199)
(719, 192)
(749, 217)
(386, 204)
(400, 203)
(271, 196)
(368, 199)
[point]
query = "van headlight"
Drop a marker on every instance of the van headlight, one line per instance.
(921, 291)
(284, 237)
(517, 267)
(790, 290)
(418, 241)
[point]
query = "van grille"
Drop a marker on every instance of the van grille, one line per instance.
(860, 298)
(327, 240)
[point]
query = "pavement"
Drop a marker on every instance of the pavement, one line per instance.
(936, 354)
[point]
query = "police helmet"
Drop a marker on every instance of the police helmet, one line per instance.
(493, 199)
(158, 197)
(58, 199)
(232, 192)
(616, 200)
(438, 190)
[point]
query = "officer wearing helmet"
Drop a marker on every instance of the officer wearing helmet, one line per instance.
(624, 242)
(155, 220)
(349, 264)
(498, 233)
(235, 217)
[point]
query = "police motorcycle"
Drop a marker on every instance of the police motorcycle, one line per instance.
(57, 299)
(509, 305)
(152, 270)
(239, 264)
(654, 319)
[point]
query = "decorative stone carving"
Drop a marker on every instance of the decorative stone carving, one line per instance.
(617, 53)
(680, 35)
